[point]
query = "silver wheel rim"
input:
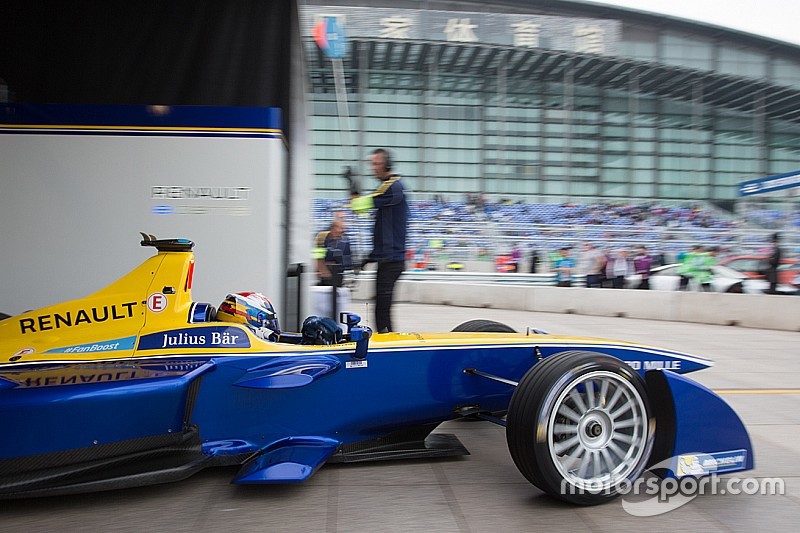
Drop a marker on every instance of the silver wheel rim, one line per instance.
(598, 431)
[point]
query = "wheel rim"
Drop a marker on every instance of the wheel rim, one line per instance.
(598, 431)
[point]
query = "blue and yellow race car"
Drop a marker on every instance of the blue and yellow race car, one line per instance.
(138, 384)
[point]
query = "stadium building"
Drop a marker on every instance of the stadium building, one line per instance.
(552, 101)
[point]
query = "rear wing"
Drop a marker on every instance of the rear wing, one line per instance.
(167, 245)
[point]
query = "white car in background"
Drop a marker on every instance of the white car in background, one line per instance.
(666, 278)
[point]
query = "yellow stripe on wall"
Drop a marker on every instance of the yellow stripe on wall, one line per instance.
(142, 128)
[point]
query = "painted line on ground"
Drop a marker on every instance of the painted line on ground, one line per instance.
(757, 391)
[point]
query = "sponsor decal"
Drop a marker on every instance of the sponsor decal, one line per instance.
(157, 302)
(24, 351)
(228, 210)
(77, 317)
(356, 364)
(126, 343)
(703, 464)
(163, 210)
(207, 337)
(676, 481)
(654, 365)
(179, 192)
(85, 374)
(695, 474)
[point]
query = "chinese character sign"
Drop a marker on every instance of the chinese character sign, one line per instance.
(395, 27)
(572, 34)
(526, 34)
(589, 39)
(460, 30)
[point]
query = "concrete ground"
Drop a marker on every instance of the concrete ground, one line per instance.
(756, 371)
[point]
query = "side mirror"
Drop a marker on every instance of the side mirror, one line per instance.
(360, 335)
(350, 319)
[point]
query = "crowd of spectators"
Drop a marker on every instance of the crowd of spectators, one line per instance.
(477, 210)
(773, 218)
(607, 215)
(477, 229)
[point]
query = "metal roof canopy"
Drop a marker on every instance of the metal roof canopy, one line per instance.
(724, 90)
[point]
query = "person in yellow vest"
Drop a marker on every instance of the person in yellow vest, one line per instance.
(334, 261)
(686, 267)
(332, 254)
(702, 268)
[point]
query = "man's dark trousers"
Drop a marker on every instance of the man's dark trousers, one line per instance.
(388, 273)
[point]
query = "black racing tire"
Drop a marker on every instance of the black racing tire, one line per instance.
(555, 440)
(483, 326)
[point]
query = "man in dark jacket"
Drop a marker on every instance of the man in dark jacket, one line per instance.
(773, 262)
(389, 236)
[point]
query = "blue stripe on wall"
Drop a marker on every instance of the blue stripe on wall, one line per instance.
(141, 115)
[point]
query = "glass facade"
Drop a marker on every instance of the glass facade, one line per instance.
(518, 129)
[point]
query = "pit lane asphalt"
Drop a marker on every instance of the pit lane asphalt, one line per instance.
(758, 372)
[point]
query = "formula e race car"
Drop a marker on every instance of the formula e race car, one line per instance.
(137, 384)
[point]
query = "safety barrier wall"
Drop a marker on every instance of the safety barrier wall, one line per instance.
(748, 310)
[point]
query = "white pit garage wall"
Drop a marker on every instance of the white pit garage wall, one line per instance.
(79, 182)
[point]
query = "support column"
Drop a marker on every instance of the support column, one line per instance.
(633, 112)
(569, 97)
(502, 99)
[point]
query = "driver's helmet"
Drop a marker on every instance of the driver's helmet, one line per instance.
(253, 310)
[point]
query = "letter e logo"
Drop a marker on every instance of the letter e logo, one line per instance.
(156, 302)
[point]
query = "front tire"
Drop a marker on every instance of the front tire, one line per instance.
(579, 426)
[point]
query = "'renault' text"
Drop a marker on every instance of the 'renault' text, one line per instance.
(76, 318)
